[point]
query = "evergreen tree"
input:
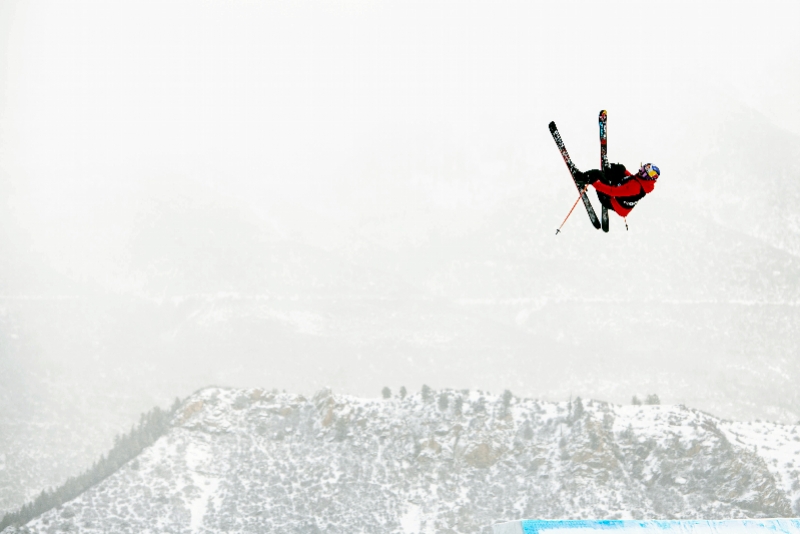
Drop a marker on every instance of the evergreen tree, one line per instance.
(444, 400)
(458, 405)
(387, 393)
(528, 431)
(507, 396)
(426, 393)
(577, 411)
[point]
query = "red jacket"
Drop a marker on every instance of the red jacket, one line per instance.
(625, 196)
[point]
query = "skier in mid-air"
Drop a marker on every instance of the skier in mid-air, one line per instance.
(617, 189)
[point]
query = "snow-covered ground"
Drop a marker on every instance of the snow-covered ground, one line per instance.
(778, 445)
(460, 461)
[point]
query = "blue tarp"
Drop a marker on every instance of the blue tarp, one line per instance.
(731, 526)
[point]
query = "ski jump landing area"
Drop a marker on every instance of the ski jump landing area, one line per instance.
(733, 526)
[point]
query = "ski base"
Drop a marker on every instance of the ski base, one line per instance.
(574, 172)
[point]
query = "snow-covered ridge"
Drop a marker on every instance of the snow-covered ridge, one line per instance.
(458, 461)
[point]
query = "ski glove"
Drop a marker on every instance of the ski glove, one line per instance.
(582, 179)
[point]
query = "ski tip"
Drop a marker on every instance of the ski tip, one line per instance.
(552, 126)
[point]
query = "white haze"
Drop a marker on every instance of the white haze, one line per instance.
(105, 103)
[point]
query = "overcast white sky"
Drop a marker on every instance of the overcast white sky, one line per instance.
(310, 107)
(106, 97)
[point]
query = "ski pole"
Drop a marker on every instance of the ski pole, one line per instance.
(571, 209)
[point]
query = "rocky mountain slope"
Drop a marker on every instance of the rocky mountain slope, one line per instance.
(447, 461)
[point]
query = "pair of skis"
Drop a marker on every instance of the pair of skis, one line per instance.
(602, 120)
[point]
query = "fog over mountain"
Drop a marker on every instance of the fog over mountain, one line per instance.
(356, 195)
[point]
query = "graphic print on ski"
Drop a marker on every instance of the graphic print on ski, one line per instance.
(573, 170)
(602, 119)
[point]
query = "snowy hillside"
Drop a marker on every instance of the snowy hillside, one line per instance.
(448, 461)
